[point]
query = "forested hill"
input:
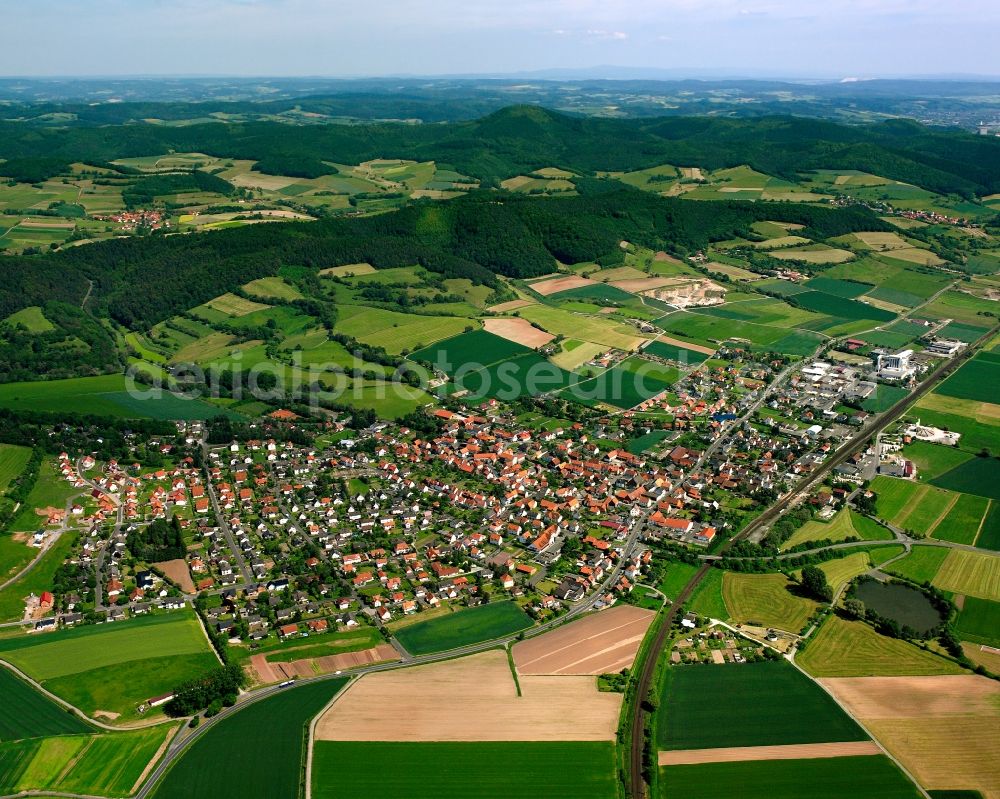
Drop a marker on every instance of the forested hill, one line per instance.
(140, 281)
(520, 139)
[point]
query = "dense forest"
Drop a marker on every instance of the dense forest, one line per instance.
(141, 281)
(523, 138)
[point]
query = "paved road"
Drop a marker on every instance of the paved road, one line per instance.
(235, 551)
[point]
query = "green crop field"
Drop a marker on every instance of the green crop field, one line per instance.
(114, 667)
(645, 442)
(840, 306)
(747, 704)
(474, 770)
(602, 292)
(860, 777)
(961, 525)
(973, 476)
(839, 288)
(476, 347)
(528, 374)
(979, 621)
(463, 627)
(970, 573)
(396, 331)
(671, 352)
(883, 398)
(767, 600)
(989, 535)
(620, 386)
(257, 751)
(933, 460)
(26, 713)
(707, 597)
(921, 564)
(895, 496)
(843, 648)
(976, 379)
(13, 459)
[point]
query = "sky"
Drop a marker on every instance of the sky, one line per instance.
(755, 38)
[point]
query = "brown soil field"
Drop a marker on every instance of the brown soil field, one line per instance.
(177, 570)
(309, 667)
(564, 283)
(45, 223)
(662, 257)
(513, 305)
(686, 344)
(470, 699)
(985, 656)
(942, 729)
(641, 284)
(517, 330)
(600, 643)
(733, 754)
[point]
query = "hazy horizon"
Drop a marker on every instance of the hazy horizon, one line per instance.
(754, 39)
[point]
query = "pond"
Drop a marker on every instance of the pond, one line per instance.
(903, 604)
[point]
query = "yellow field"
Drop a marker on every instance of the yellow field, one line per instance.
(942, 729)
(883, 241)
(917, 256)
(765, 599)
(349, 269)
(575, 358)
(830, 256)
(231, 305)
(781, 241)
(272, 287)
(207, 348)
(843, 648)
(735, 272)
(970, 573)
(588, 328)
(618, 273)
(983, 412)
(837, 529)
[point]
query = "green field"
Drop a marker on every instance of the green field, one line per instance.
(767, 600)
(883, 398)
(861, 777)
(32, 318)
(933, 460)
(970, 573)
(26, 713)
(14, 556)
(747, 704)
(114, 667)
(13, 459)
(106, 395)
(920, 565)
(973, 476)
(989, 535)
(707, 597)
(91, 765)
(257, 751)
(619, 386)
(843, 648)
(841, 306)
(976, 379)
(840, 570)
(676, 577)
(846, 524)
(463, 627)
(671, 352)
(961, 525)
(979, 621)
(513, 770)
(475, 347)
(395, 331)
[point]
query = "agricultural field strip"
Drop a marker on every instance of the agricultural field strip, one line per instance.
(677, 757)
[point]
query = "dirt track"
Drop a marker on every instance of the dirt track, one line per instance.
(597, 644)
(470, 699)
(684, 757)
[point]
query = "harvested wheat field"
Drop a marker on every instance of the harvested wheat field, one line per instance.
(520, 331)
(942, 729)
(470, 699)
(687, 345)
(734, 754)
(564, 283)
(598, 644)
(310, 667)
(177, 571)
(349, 269)
(641, 284)
(513, 305)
